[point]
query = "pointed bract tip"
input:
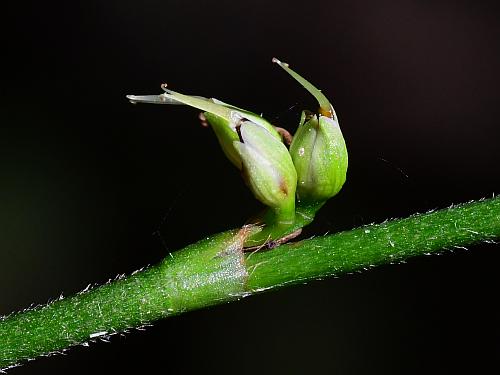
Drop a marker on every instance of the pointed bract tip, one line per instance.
(279, 62)
(131, 99)
(326, 108)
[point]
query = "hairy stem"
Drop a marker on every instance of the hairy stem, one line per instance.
(216, 270)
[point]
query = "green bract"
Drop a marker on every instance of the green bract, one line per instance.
(320, 157)
(318, 149)
(225, 130)
(268, 169)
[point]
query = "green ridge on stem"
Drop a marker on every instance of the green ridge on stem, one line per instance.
(215, 270)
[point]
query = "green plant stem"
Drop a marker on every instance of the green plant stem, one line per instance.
(216, 270)
(372, 245)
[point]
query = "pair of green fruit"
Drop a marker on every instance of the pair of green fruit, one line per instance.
(312, 170)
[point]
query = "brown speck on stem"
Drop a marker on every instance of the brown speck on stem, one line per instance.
(275, 243)
(235, 245)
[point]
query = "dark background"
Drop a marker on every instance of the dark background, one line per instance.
(92, 186)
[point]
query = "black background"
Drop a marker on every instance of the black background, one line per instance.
(92, 186)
